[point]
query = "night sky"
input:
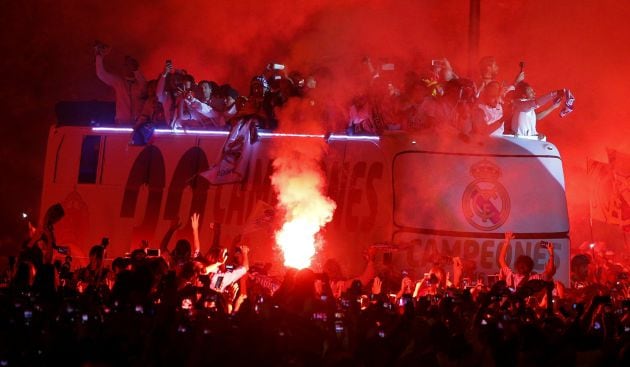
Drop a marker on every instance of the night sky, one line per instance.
(47, 57)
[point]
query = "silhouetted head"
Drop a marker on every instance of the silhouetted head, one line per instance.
(488, 67)
(524, 265)
(524, 91)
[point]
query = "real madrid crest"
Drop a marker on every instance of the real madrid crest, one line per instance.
(486, 203)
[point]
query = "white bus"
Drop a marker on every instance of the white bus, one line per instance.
(423, 194)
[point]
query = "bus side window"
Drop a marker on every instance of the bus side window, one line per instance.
(88, 167)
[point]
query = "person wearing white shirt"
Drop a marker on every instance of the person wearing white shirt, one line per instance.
(488, 113)
(129, 89)
(525, 117)
(222, 277)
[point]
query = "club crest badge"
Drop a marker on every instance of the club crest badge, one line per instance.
(485, 202)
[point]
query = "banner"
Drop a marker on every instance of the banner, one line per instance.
(261, 218)
(418, 252)
(603, 200)
(234, 161)
(620, 165)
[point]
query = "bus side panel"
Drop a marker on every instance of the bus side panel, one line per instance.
(360, 184)
(421, 250)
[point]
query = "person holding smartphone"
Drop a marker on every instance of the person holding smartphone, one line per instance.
(523, 266)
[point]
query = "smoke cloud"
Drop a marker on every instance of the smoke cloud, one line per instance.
(300, 183)
(581, 46)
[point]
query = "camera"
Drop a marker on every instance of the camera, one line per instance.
(545, 244)
(275, 67)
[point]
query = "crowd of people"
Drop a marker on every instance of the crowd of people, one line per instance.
(435, 99)
(185, 306)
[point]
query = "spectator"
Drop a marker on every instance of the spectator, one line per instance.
(184, 115)
(488, 113)
(164, 93)
(215, 106)
(524, 108)
(449, 114)
(580, 274)
(152, 110)
(489, 71)
(93, 276)
(222, 277)
(523, 266)
(360, 117)
(39, 248)
(129, 88)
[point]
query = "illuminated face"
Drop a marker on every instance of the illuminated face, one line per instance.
(529, 92)
(490, 70)
(206, 90)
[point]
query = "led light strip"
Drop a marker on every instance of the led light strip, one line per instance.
(225, 133)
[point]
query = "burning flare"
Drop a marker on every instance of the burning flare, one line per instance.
(299, 181)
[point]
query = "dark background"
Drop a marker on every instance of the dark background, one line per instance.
(47, 57)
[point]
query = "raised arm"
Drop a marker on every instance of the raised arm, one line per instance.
(160, 89)
(457, 271)
(194, 222)
(506, 243)
(245, 251)
(103, 74)
(550, 267)
(541, 115)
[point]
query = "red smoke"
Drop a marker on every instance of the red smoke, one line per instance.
(565, 44)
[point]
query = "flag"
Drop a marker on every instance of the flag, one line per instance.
(620, 167)
(603, 206)
(261, 218)
(234, 161)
